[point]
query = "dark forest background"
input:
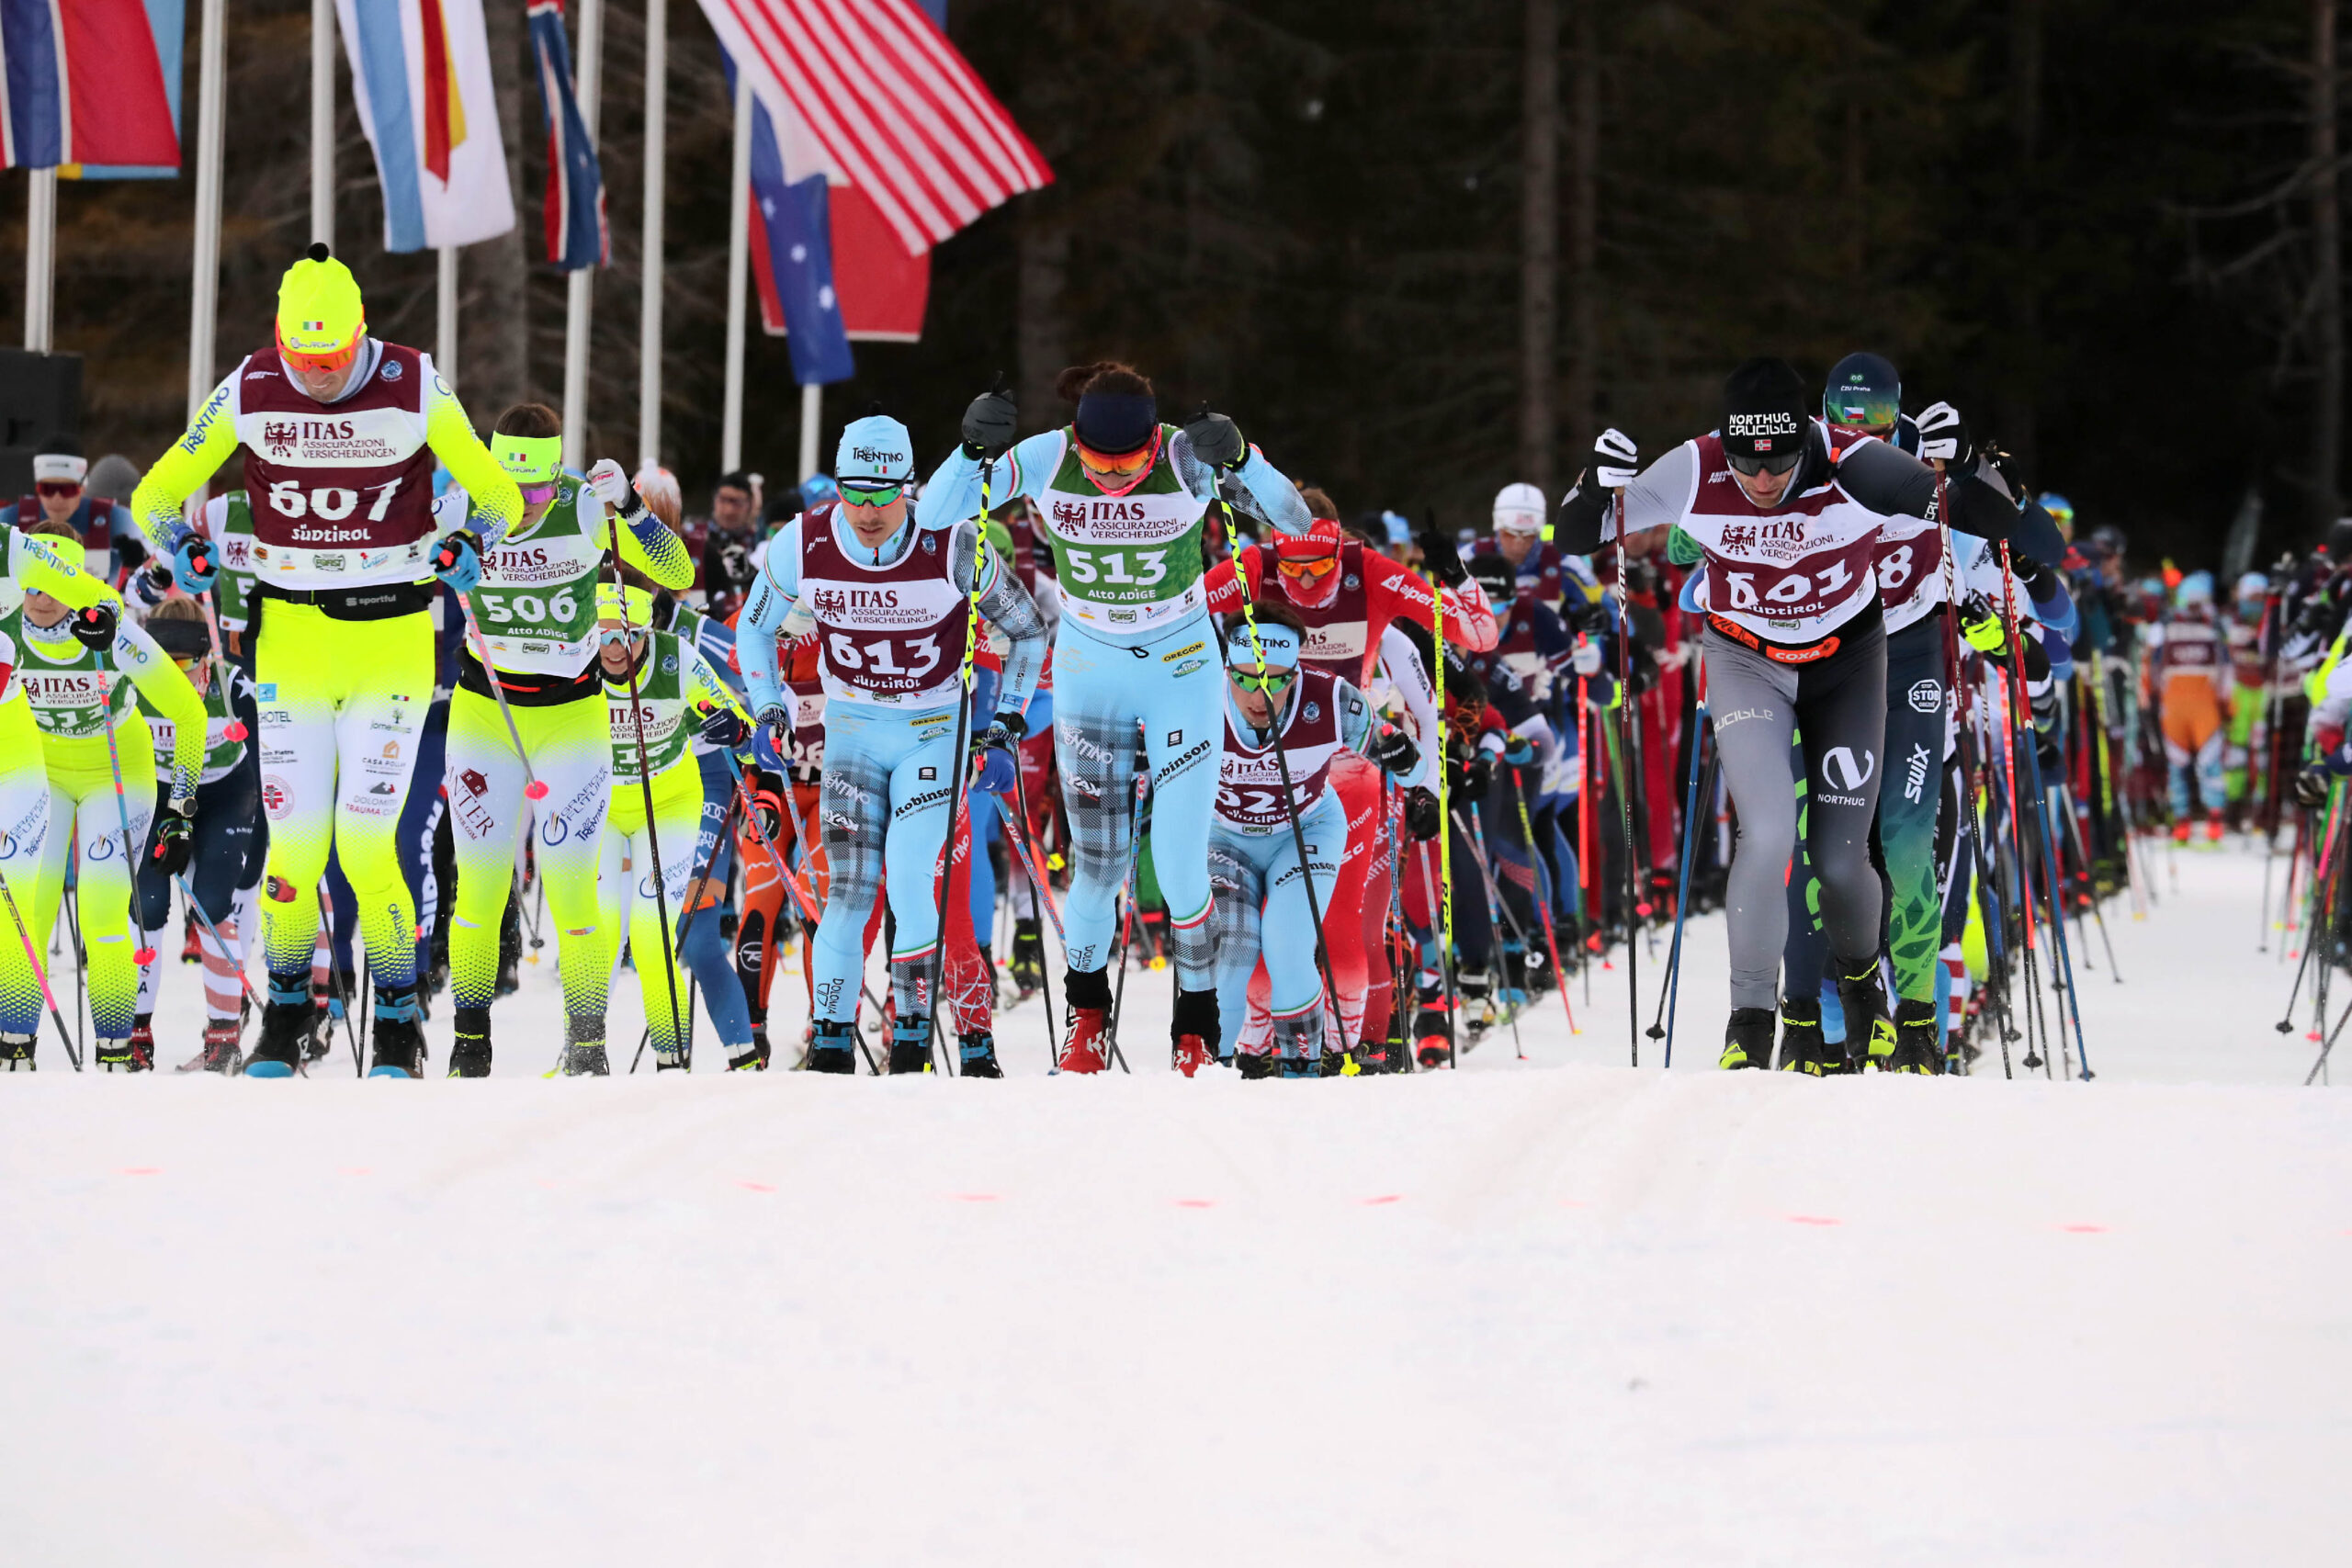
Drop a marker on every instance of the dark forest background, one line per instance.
(1422, 249)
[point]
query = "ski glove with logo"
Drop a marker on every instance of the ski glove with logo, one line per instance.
(1393, 751)
(174, 837)
(1943, 438)
(193, 565)
(94, 626)
(1615, 460)
(457, 560)
(991, 423)
(1216, 440)
(610, 482)
(1518, 750)
(1421, 819)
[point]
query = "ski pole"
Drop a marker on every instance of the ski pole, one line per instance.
(959, 764)
(532, 788)
(1673, 996)
(1551, 937)
(1127, 921)
(41, 974)
(1040, 896)
(1623, 760)
(1441, 892)
(1498, 914)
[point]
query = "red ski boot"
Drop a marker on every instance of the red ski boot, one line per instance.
(1194, 1030)
(1082, 1052)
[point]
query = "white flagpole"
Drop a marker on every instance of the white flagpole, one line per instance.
(41, 257)
(322, 122)
(580, 297)
(445, 339)
(739, 254)
(211, 60)
(813, 410)
(649, 327)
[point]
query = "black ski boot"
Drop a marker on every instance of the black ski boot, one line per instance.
(399, 1047)
(833, 1048)
(16, 1052)
(1432, 1029)
(470, 1057)
(752, 1058)
(1747, 1039)
(1255, 1064)
(1869, 1034)
(1918, 1042)
(134, 1053)
(1802, 1049)
(584, 1049)
(1028, 965)
(976, 1053)
(286, 1031)
(910, 1046)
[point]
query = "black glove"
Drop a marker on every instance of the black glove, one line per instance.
(132, 551)
(724, 728)
(1479, 774)
(2310, 785)
(2038, 580)
(1421, 819)
(168, 846)
(1440, 555)
(1394, 749)
(777, 719)
(95, 627)
(767, 803)
(991, 423)
(1214, 439)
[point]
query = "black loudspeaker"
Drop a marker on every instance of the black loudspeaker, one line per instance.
(41, 397)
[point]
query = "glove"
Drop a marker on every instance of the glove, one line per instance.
(994, 747)
(2310, 785)
(2038, 580)
(767, 803)
(131, 552)
(151, 586)
(1393, 751)
(193, 566)
(1586, 660)
(1216, 440)
(457, 560)
(94, 626)
(1421, 819)
(1439, 555)
(1480, 773)
(1943, 438)
(174, 836)
(990, 423)
(1981, 624)
(1615, 460)
(610, 482)
(777, 719)
(1518, 751)
(724, 728)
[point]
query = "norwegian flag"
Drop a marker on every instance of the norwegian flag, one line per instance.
(578, 233)
(870, 93)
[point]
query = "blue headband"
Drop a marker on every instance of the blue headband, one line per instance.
(1279, 643)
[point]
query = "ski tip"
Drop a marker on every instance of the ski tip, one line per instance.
(388, 1072)
(270, 1070)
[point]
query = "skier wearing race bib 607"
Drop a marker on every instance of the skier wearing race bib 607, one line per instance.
(1121, 500)
(340, 432)
(534, 619)
(891, 603)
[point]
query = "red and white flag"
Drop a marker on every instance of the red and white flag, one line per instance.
(870, 93)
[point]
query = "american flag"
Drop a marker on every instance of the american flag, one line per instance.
(577, 232)
(871, 93)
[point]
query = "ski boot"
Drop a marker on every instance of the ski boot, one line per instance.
(584, 1049)
(286, 1031)
(975, 1055)
(2212, 827)
(1028, 965)
(1299, 1042)
(1432, 1029)
(1539, 972)
(1086, 1049)
(220, 1053)
(330, 1009)
(1196, 1031)
(1255, 1064)
(2181, 830)
(399, 1047)
(910, 1046)
(1513, 994)
(191, 946)
(752, 1058)
(470, 1057)
(833, 1048)
(1918, 1047)
(1747, 1039)
(1475, 987)
(1804, 1048)
(16, 1052)
(134, 1053)
(1870, 1033)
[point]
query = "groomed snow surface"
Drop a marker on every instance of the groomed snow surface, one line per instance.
(1544, 1310)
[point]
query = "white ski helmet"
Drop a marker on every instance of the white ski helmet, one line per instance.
(1520, 508)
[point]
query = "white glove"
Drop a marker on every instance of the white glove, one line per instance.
(1615, 460)
(610, 482)
(1586, 660)
(1942, 437)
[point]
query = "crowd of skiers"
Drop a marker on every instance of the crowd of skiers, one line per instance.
(1118, 695)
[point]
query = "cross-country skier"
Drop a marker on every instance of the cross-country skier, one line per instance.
(1120, 499)
(892, 603)
(1788, 511)
(533, 617)
(1262, 904)
(101, 800)
(340, 432)
(2184, 680)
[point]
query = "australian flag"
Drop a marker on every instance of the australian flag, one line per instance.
(792, 245)
(578, 234)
